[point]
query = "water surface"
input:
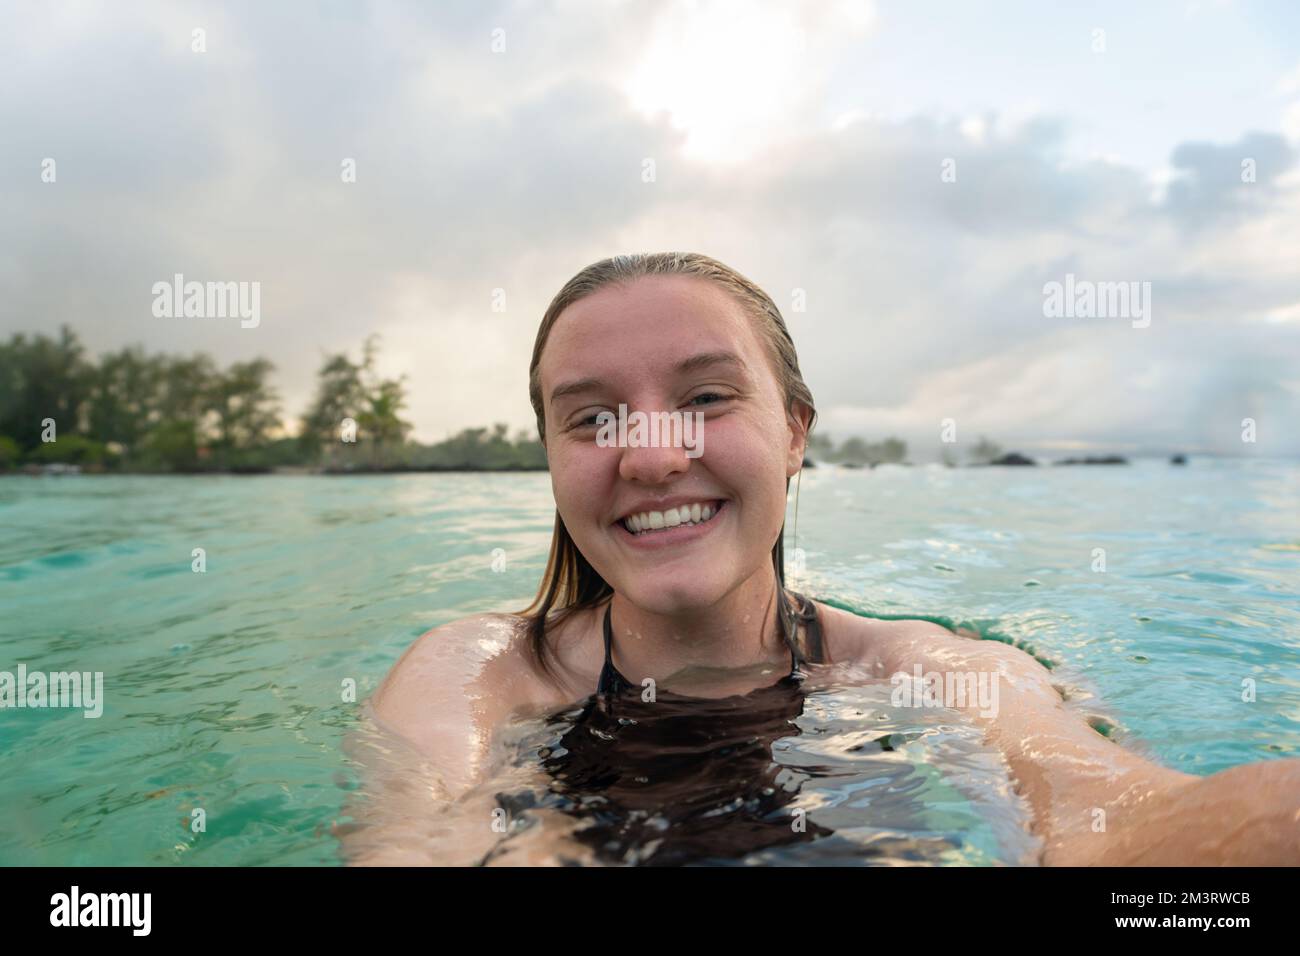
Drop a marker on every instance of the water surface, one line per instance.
(226, 690)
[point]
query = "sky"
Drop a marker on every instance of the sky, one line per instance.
(914, 173)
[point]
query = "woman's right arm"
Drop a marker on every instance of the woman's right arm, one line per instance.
(428, 742)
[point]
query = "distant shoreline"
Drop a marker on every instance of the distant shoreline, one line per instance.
(47, 471)
(1017, 463)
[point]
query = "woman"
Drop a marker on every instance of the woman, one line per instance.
(666, 578)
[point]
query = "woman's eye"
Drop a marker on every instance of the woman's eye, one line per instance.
(714, 395)
(589, 422)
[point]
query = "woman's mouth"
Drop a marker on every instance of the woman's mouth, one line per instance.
(673, 524)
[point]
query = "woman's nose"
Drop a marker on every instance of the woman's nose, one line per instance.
(652, 465)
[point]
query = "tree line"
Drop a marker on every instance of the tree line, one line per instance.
(130, 410)
(857, 452)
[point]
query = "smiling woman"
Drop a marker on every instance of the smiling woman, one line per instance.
(669, 568)
(669, 332)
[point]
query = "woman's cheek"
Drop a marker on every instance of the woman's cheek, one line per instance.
(582, 477)
(741, 460)
(567, 482)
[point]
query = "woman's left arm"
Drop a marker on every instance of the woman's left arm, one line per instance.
(1093, 800)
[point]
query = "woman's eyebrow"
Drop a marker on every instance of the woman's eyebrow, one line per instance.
(692, 364)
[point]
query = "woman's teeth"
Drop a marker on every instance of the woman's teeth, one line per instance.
(650, 521)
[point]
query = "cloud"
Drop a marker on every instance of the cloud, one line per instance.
(479, 171)
(1214, 182)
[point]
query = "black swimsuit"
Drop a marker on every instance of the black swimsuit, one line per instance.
(683, 779)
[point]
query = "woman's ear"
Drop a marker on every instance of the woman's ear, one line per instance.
(798, 417)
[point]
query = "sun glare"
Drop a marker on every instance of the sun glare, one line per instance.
(734, 77)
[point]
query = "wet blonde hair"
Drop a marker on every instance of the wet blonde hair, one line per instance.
(569, 582)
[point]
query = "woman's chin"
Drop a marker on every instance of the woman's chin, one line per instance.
(672, 594)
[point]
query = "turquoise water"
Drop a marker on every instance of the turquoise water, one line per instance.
(224, 689)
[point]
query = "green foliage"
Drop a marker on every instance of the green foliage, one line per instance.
(10, 453)
(152, 412)
(123, 394)
(984, 451)
(140, 412)
(352, 394)
(475, 448)
(71, 450)
(42, 378)
(172, 446)
(820, 447)
(856, 451)
(245, 409)
(339, 396)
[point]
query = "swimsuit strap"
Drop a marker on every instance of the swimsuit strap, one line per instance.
(613, 682)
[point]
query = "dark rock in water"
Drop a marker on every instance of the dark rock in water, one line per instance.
(852, 464)
(1013, 458)
(809, 463)
(1091, 460)
(1178, 460)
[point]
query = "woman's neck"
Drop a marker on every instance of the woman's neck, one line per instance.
(741, 630)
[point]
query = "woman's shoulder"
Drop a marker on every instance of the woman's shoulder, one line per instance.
(876, 642)
(468, 643)
(476, 668)
(890, 644)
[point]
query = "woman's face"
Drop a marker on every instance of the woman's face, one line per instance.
(627, 344)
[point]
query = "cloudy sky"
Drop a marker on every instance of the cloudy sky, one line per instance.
(919, 170)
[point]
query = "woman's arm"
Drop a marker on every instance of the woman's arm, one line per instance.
(427, 743)
(404, 814)
(1095, 802)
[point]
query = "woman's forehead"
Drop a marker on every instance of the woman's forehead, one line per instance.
(666, 317)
